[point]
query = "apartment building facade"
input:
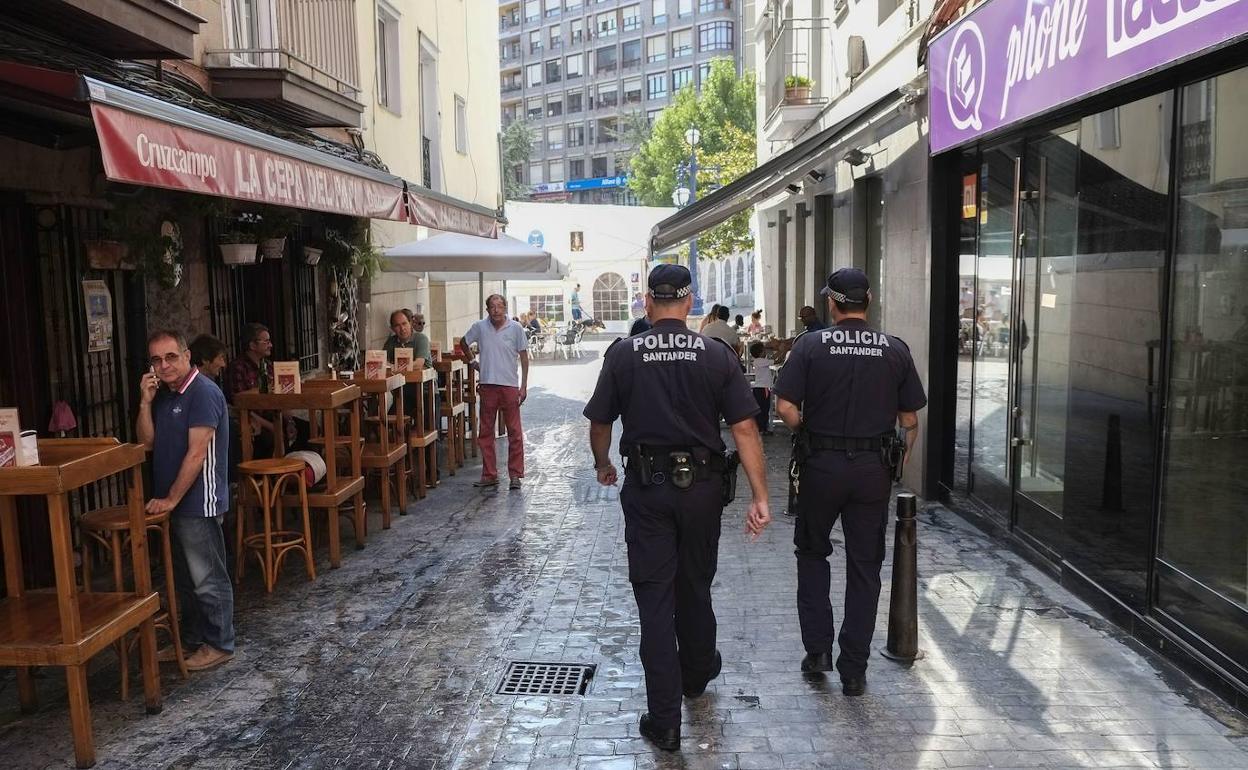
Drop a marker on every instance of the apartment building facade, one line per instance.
(580, 71)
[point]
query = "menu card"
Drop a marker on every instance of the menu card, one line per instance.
(374, 364)
(286, 375)
(10, 438)
(403, 356)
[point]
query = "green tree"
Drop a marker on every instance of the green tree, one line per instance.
(723, 113)
(517, 144)
(632, 131)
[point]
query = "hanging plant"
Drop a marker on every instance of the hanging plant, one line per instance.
(350, 249)
(150, 236)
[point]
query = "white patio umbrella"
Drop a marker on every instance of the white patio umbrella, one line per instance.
(458, 257)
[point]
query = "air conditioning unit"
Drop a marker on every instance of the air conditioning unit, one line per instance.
(857, 50)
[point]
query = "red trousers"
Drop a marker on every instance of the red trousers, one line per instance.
(496, 398)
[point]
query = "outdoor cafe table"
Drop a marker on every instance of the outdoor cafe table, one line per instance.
(66, 628)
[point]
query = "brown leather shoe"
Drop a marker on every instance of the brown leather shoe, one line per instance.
(207, 657)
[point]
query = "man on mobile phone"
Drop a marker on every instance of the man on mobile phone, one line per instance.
(183, 420)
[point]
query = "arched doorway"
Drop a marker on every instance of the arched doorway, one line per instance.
(712, 283)
(610, 298)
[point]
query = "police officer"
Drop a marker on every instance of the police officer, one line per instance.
(671, 386)
(843, 391)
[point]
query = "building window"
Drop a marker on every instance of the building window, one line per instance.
(684, 8)
(535, 41)
(606, 25)
(533, 75)
(605, 60)
(598, 166)
(887, 7)
(631, 18)
(708, 6)
(631, 53)
(682, 43)
(461, 125)
(576, 137)
(554, 106)
(704, 73)
(387, 59)
(556, 38)
(554, 71)
(554, 138)
(656, 48)
(681, 77)
(575, 65)
(552, 8)
(656, 86)
(659, 11)
(533, 108)
(608, 95)
(621, 165)
(610, 298)
(536, 175)
(715, 36)
(555, 172)
(653, 115)
(576, 168)
(632, 91)
(740, 276)
(571, 5)
(576, 101)
(532, 10)
(547, 307)
(577, 28)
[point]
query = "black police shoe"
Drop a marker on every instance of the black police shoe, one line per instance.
(853, 685)
(698, 686)
(667, 739)
(815, 662)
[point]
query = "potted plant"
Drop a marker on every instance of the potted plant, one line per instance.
(143, 235)
(238, 248)
(312, 255)
(797, 88)
(273, 225)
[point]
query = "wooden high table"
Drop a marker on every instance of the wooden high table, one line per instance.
(326, 397)
(67, 628)
(383, 455)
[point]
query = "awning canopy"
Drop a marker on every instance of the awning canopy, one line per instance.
(469, 254)
(557, 272)
(758, 185)
(154, 142)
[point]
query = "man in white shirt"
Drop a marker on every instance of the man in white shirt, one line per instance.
(721, 329)
(501, 342)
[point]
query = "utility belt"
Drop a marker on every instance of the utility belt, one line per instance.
(891, 446)
(681, 466)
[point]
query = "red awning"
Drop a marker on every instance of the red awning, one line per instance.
(439, 212)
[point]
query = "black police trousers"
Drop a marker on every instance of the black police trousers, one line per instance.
(673, 552)
(854, 487)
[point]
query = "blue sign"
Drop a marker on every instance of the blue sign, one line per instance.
(597, 183)
(536, 239)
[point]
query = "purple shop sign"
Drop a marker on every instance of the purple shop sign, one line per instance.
(1013, 59)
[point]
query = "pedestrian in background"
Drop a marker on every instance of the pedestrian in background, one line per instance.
(761, 366)
(245, 373)
(671, 387)
(501, 344)
(844, 391)
(183, 421)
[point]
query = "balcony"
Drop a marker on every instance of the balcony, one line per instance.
(302, 64)
(122, 29)
(792, 89)
(509, 25)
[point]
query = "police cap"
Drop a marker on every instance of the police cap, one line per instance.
(669, 282)
(848, 286)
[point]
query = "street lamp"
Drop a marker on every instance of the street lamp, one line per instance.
(683, 196)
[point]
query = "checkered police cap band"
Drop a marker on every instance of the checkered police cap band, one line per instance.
(667, 291)
(844, 299)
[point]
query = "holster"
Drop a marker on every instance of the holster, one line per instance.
(681, 465)
(732, 461)
(893, 454)
(801, 452)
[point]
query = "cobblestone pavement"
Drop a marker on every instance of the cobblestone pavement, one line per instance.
(392, 660)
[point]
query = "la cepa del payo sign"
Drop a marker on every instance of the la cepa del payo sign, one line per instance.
(1010, 60)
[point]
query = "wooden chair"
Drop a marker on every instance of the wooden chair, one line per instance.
(109, 528)
(454, 411)
(386, 457)
(268, 478)
(422, 432)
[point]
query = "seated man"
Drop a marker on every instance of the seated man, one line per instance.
(721, 329)
(407, 330)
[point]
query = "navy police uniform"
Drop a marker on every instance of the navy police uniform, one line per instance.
(671, 386)
(850, 381)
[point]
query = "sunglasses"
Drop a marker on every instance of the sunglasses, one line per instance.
(168, 359)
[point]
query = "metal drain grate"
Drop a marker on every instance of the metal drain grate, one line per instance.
(524, 678)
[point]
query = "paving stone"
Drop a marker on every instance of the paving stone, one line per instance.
(393, 660)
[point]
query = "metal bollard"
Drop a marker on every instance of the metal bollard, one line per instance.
(903, 606)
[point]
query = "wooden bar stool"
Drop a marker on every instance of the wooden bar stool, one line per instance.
(267, 478)
(109, 528)
(387, 456)
(470, 398)
(422, 432)
(454, 410)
